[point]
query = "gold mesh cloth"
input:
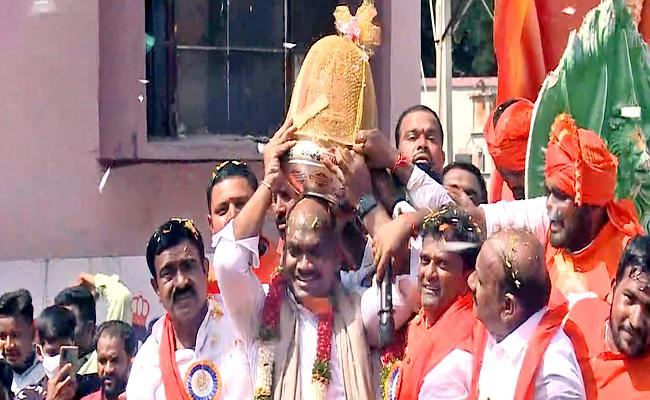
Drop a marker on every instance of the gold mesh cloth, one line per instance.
(334, 95)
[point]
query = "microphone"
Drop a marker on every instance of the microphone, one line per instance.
(386, 320)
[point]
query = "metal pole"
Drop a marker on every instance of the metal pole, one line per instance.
(443, 73)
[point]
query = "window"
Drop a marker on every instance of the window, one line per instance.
(226, 68)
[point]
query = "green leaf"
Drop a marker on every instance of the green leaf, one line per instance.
(605, 67)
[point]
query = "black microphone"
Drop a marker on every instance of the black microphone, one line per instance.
(386, 320)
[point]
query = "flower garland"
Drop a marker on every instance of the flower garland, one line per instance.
(269, 336)
(390, 356)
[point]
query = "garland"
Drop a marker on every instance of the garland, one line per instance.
(269, 336)
(390, 356)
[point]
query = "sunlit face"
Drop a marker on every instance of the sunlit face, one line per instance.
(181, 281)
(629, 320)
(16, 338)
(421, 140)
(441, 275)
(113, 365)
(571, 227)
(484, 284)
(457, 178)
(284, 198)
(312, 255)
(228, 198)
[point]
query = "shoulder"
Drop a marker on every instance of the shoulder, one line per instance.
(560, 358)
(147, 355)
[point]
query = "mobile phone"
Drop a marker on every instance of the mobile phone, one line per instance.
(69, 355)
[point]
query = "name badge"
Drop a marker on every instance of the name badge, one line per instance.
(202, 381)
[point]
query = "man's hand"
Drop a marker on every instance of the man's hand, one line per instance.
(383, 185)
(88, 281)
(279, 144)
(376, 148)
(389, 241)
(62, 386)
(356, 175)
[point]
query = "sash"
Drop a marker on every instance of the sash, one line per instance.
(426, 348)
(537, 345)
(171, 378)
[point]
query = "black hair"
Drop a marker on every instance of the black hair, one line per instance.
(80, 297)
(471, 168)
(17, 303)
(452, 223)
(416, 108)
(119, 330)
(229, 169)
(636, 256)
(6, 379)
(170, 234)
(54, 323)
(500, 110)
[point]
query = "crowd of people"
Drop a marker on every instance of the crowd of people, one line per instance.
(543, 298)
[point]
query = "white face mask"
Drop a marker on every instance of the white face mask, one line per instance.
(51, 365)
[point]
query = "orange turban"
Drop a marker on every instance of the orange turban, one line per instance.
(507, 141)
(579, 164)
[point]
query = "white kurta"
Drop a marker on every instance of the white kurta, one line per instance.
(559, 375)
(217, 342)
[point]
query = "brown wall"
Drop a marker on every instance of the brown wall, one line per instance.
(50, 123)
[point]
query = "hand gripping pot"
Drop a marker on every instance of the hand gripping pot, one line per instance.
(334, 98)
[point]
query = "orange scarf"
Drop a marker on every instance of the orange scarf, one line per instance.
(427, 347)
(538, 343)
(171, 378)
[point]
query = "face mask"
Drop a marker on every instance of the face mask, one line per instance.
(51, 365)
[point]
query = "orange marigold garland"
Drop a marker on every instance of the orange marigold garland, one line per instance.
(269, 336)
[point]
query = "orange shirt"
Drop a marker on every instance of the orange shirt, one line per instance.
(591, 270)
(427, 346)
(615, 376)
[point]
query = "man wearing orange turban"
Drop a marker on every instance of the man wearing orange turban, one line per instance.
(506, 134)
(584, 228)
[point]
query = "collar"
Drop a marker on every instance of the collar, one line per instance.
(201, 334)
(517, 341)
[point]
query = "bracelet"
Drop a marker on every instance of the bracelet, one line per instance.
(267, 185)
(401, 161)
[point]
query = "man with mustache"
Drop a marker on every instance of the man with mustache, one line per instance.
(419, 137)
(618, 335)
(195, 350)
(585, 229)
(435, 363)
(17, 336)
(506, 134)
(520, 350)
(116, 346)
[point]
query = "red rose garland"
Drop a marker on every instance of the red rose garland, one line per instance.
(269, 334)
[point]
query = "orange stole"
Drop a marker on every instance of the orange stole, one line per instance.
(426, 347)
(615, 376)
(171, 378)
(539, 342)
(591, 270)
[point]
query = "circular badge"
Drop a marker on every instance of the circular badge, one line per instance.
(202, 381)
(393, 382)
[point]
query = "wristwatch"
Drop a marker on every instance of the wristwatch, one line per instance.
(366, 204)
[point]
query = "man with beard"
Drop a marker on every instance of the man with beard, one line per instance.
(17, 336)
(419, 137)
(506, 135)
(116, 348)
(195, 350)
(618, 335)
(585, 229)
(517, 336)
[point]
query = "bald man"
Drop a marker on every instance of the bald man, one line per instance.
(516, 335)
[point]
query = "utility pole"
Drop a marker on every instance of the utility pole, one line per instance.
(443, 72)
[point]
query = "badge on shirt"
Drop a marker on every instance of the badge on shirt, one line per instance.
(202, 381)
(392, 382)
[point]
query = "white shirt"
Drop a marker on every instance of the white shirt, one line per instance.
(559, 376)
(528, 214)
(217, 341)
(32, 375)
(244, 297)
(425, 192)
(449, 379)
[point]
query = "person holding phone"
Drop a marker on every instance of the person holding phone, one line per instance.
(55, 328)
